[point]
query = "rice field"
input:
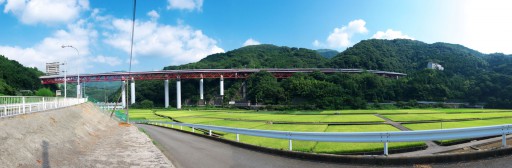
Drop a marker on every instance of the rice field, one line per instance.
(322, 121)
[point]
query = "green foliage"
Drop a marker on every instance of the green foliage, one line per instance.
(260, 56)
(408, 56)
(264, 88)
(146, 104)
(15, 77)
(5, 89)
(327, 53)
(45, 92)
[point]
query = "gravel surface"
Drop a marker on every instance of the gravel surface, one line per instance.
(78, 136)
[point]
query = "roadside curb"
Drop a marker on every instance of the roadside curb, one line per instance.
(363, 159)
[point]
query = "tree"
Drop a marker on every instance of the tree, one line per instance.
(146, 104)
(264, 88)
(45, 92)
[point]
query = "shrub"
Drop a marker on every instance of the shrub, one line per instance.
(45, 92)
(146, 104)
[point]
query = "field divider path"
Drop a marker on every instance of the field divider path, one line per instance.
(430, 144)
(442, 149)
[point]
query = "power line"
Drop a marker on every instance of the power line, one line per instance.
(131, 57)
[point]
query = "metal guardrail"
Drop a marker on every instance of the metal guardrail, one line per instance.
(382, 137)
(17, 105)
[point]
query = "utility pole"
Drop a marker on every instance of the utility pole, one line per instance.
(131, 56)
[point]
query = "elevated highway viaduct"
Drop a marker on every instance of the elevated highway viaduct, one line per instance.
(200, 74)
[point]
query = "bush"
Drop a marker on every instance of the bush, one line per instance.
(146, 104)
(45, 92)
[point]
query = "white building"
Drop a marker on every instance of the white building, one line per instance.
(53, 68)
(436, 66)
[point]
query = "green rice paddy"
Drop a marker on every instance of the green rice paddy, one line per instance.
(330, 121)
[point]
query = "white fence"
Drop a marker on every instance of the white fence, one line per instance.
(16, 105)
(110, 106)
(382, 137)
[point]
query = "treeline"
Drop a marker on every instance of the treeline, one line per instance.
(16, 79)
(355, 91)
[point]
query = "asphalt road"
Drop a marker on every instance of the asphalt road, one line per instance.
(189, 151)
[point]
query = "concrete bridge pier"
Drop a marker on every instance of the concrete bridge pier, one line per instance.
(132, 91)
(166, 92)
(201, 90)
(178, 93)
(221, 86)
(123, 94)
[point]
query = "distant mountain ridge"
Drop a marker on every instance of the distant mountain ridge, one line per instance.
(327, 53)
(408, 56)
(399, 55)
(260, 56)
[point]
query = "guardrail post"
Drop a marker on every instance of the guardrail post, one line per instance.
(386, 148)
(290, 145)
(210, 133)
(193, 130)
(238, 137)
(504, 140)
(23, 104)
(44, 105)
(19, 110)
(181, 127)
(172, 125)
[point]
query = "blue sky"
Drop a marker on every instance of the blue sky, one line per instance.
(172, 32)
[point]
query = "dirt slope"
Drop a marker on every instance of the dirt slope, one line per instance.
(78, 136)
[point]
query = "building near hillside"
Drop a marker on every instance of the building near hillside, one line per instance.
(435, 66)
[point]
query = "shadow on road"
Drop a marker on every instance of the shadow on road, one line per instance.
(46, 160)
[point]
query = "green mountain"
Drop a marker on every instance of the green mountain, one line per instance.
(327, 53)
(259, 56)
(14, 77)
(468, 75)
(408, 56)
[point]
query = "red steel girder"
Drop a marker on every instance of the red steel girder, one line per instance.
(202, 73)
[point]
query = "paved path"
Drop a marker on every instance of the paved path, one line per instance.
(185, 150)
(430, 144)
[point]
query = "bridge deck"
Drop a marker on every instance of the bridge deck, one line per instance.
(201, 73)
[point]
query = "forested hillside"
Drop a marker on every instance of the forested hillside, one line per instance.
(468, 76)
(260, 56)
(14, 77)
(408, 56)
(327, 53)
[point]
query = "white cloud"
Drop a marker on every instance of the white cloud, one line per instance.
(46, 11)
(153, 15)
(80, 35)
(341, 37)
(390, 34)
(316, 43)
(181, 43)
(112, 61)
(185, 4)
(250, 41)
